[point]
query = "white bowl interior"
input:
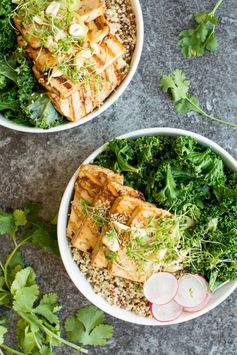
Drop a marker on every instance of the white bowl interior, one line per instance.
(110, 100)
(79, 279)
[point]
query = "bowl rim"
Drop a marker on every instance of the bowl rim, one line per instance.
(73, 270)
(110, 100)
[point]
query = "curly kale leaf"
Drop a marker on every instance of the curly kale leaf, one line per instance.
(148, 149)
(121, 153)
(7, 33)
(7, 73)
(22, 101)
(41, 111)
(180, 175)
(201, 161)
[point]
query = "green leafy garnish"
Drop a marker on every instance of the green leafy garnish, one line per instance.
(7, 33)
(178, 86)
(195, 41)
(88, 328)
(22, 99)
(36, 229)
(111, 256)
(38, 327)
(97, 216)
(191, 181)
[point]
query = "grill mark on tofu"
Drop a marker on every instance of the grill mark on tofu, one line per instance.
(90, 98)
(90, 9)
(64, 82)
(98, 29)
(72, 100)
(90, 181)
(88, 234)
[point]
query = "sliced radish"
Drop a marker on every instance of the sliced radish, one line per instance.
(192, 290)
(200, 306)
(161, 288)
(166, 312)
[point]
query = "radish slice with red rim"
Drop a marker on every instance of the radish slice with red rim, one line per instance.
(200, 306)
(161, 287)
(166, 312)
(192, 290)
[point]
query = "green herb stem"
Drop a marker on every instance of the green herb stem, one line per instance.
(199, 110)
(10, 350)
(1, 266)
(216, 7)
(51, 334)
(18, 246)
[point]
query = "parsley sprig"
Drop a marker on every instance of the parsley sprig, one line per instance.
(194, 41)
(38, 328)
(178, 86)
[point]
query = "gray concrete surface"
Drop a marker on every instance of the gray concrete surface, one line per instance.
(38, 167)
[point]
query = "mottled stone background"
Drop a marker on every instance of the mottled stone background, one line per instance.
(38, 167)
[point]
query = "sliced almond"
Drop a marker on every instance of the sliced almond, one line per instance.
(38, 20)
(111, 243)
(53, 8)
(119, 227)
(78, 30)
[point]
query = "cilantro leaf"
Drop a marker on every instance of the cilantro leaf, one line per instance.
(43, 233)
(87, 327)
(46, 239)
(74, 329)
(185, 106)
(20, 218)
(178, 86)
(27, 336)
(15, 264)
(24, 290)
(39, 231)
(25, 298)
(100, 335)
(48, 307)
(194, 41)
(24, 278)
(7, 223)
(176, 83)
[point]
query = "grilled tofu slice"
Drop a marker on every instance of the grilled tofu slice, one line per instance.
(106, 68)
(43, 58)
(122, 208)
(125, 266)
(57, 86)
(109, 51)
(86, 98)
(90, 10)
(143, 213)
(98, 30)
(25, 30)
(90, 230)
(91, 179)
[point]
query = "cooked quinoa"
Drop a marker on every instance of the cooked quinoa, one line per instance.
(116, 291)
(122, 23)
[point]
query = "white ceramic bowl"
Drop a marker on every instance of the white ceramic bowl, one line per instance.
(110, 100)
(79, 279)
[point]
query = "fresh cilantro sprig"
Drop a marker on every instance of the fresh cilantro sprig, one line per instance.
(178, 86)
(87, 327)
(38, 327)
(27, 223)
(194, 41)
